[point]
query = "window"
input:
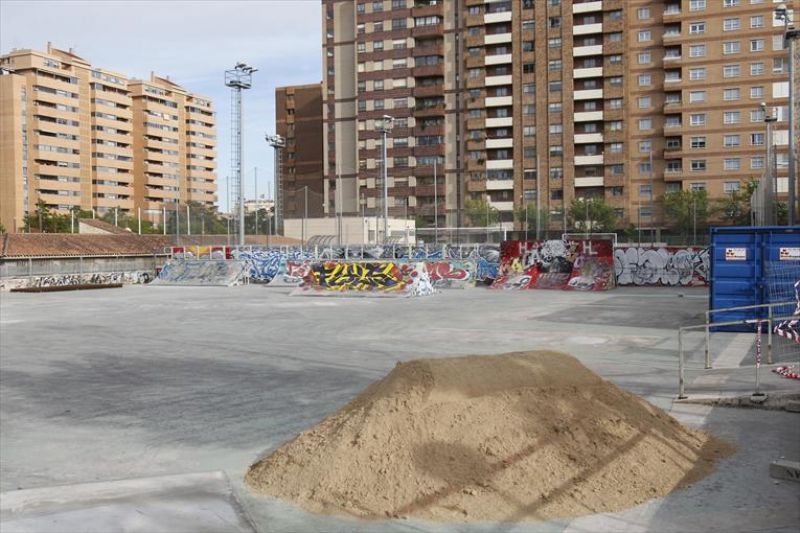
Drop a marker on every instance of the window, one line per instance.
(697, 143)
(378, 104)
(698, 73)
(377, 85)
(698, 186)
(555, 42)
(644, 58)
(614, 37)
(731, 71)
(777, 42)
(757, 92)
(554, 64)
(779, 66)
(731, 47)
(732, 117)
(554, 22)
(730, 3)
(645, 102)
(617, 169)
(645, 146)
(528, 24)
(696, 28)
(527, 109)
(554, 86)
(398, 4)
(377, 45)
(732, 163)
(644, 79)
(399, 24)
(757, 21)
(730, 186)
(614, 125)
(556, 173)
(757, 115)
(731, 94)
(645, 35)
(615, 59)
(557, 150)
(361, 48)
(615, 148)
(615, 81)
(697, 119)
(377, 6)
(697, 50)
(731, 24)
(757, 139)
(554, 107)
(757, 45)
(697, 96)
(756, 69)
(614, 103)
(729, 141)
(645, 123)
(528, 131)
(556, 129)
(757, 162)
(698, 165)
(643, 13)
(645, 190)
(529, 88)
(697, 5)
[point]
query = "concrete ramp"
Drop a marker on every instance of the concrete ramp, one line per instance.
(366, 279)
(290, 273)
(202, 272)
(452, 274)
(190, 502)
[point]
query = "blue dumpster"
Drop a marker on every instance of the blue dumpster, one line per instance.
(752, 266)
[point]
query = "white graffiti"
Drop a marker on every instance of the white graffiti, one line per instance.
(65, 280)
(662, 266)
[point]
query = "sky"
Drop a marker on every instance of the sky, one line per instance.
(192, 42)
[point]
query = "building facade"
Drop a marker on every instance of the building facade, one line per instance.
(298, 114)
(538, 102)
(77, 136)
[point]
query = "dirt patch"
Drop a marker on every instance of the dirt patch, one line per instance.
(515, 437)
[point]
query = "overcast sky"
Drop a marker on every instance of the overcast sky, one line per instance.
(193, 42)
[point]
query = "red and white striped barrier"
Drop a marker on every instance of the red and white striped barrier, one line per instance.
(787, 372)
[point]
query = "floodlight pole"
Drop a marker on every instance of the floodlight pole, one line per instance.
(789, 36)
(388, 122)
(238, 78)
(277, 142)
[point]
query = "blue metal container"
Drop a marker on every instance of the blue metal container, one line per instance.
(752, 266)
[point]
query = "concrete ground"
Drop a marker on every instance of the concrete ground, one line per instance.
(176, 390)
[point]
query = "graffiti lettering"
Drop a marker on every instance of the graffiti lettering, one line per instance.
(662, 266)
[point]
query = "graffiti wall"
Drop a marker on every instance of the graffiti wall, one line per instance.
(64, 280)
(202, 272)
(452, 274)
(669, 265)
(340, 278)
(585, 265)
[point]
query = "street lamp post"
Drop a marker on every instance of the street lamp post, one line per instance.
(386, 127)
(790, 34)
(769, 192)
(278, 143)
(435, 203)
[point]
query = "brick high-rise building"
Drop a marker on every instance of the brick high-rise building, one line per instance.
(77, 136)
(513, 99)
(298, 117)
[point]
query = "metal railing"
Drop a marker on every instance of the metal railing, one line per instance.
(708, 325)
(756, 321)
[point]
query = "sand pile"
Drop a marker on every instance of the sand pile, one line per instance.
(520, 436)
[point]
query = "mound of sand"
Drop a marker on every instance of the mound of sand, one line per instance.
(514, 437)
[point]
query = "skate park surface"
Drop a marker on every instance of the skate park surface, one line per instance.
(141, 408)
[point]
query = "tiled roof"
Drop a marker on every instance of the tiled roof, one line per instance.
(68, 244)
(104, 226)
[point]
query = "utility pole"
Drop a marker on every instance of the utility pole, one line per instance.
(769, 192)
(652, 197)
(435, 202)
(538, 203)
(789, 36)
(238, 79)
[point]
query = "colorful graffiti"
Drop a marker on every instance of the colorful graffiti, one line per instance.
(64, 280)
(204, 272)
(585, 265)
(291, 274)
(366, 279)
(791, 328)
(451, 274)
(662, 266)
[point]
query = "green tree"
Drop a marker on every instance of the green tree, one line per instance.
(735, 209)
(525, 216)
(686, 212)
(480, 214)
(2, 229)
(591, 214)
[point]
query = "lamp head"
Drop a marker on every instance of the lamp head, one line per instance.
(781, 11)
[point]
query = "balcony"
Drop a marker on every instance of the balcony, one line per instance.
(497, 38)
(428, 90)
(587, 116)
(589, 159)
(499, 164)
(500, 143)
(588, 94)
(499, 122)
(586, 29)
(497, 80)
(429, 111)
(429, 70)
(592, 72)
(593, 50)
(499, 59)
(498, 101)
(587, 7)
(491, 18)
(426, 31)
(591, 181)
(583, 138)
(502, 206)
(500, 185)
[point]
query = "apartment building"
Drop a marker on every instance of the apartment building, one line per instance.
(523, 101)
(298, 116)
(77, 136)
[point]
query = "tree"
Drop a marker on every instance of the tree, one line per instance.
(480, 214)
(686, 212)
(2, 229)
(525, 215)
(735, 209)
(592, 214)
